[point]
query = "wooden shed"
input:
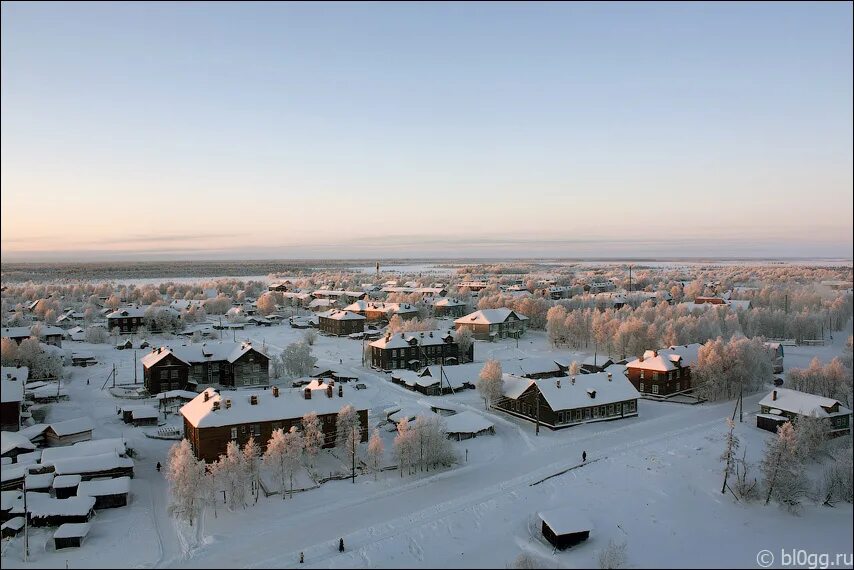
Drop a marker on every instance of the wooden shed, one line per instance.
(44, 510)
(65, 486)
(68, 432)
(565, 527)
(144, 416)
(12, 527)
(108, 493)
(71, 535)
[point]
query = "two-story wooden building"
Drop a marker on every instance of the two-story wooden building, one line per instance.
(126, 319)
(415, 350)
(340, 323)
(491, 324)
(449, 307)
(374, 311)
(664, 372)
(12, 396)
(563, 402)
(214, 418)
(189, 366)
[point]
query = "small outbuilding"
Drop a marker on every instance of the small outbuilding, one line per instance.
(565, 527)
(68, 432)
(144, 416)
(71, 535)
(65, 486)
(108, 493)
(12, 527)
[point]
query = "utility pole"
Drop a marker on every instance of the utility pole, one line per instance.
(354, 454)
(630, 278)
(741, 400)
(134, 366)
(538, 411)
(114, 375)
(26, 524)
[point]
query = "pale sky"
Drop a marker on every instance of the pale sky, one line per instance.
(194, 131)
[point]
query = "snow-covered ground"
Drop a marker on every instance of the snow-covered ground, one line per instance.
(651, 481)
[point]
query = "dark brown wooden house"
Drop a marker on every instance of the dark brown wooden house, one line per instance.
(126, 320)
(215, 418)
(565, 527)
(12, 382)
(415, 350)
(184, 367)
(340, 323)
(664, 372)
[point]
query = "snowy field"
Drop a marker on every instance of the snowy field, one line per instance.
(651, 481)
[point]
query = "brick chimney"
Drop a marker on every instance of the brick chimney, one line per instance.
(307, 393)
(328, 391)
(207, 396)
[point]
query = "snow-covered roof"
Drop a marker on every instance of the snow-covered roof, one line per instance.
(530, 366)
(490, 316)
(12, 384)
(125, 312)
(395, 308)
(33, 431)
(72, 530)
(339, 315)
(449, 302)
(455, 375)
(321, 303)
(91, 464)
(802, 403)
(10, 499)
(144, 412)
(566, 520)
(688, 352)
(658, 361)
(39, 480)
(10, 440)
(69, 427)
(66, 481)
(103, 487)
(182, 394)
(290, 404)
(23, 332)
(466, 422)
(43, 505)
(29, 458)
(587, 390)
(422, 338)
(210, 351)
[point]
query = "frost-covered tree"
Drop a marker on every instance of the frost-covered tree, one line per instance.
(252, 465)
(348, 431)
(187, 475)
(613, 555)
(464, 339)
(313, 437)
(433, 446)
(8, 351)
(297, 359)
(376, 448)
(230, 472)
(404, 446)
(266, 304)
(310, 337)
(294, 449)
(731, 444)
(276, 457)
(490, 382)
(97, 335)
(838, 481)
(781, 469)
(811, 435)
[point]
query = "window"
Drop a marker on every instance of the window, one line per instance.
(197, 369)
(560, 417)
(256, 430)
(678, 372)
(641, 374)
(164, 374)
(610, 409)
(233, 433)
(618, 408)
(243, 428)
(641, 387)
(175, 373)
(174, 386)
(655, 375)
(655, 388)
(586, 413)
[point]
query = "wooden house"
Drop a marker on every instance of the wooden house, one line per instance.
(559, 403)
(183, 367)
(783, 405)
(46, 333)
(215, 418)
(449, 307)
(492, 324)
(65, 486)
(126, 320)
(12, 380)
(340, 323)
(664, 372)
(415, 350)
